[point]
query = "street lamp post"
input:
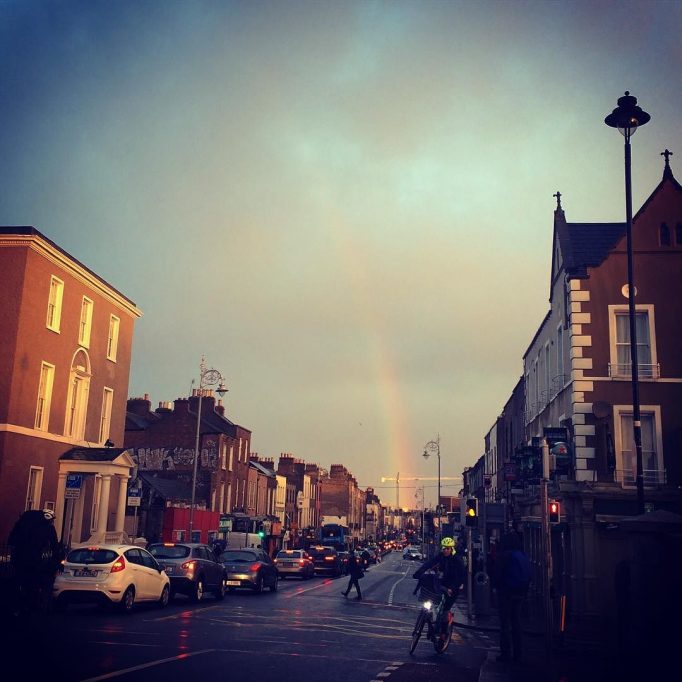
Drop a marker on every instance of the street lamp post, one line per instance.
(627, 117)
(207, 378)
(434, 446)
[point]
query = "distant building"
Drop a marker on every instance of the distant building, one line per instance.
(162, 443)
(66, 336)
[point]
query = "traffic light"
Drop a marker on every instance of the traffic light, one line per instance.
(554, 511)
(472, 512)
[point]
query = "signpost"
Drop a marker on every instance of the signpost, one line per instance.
(73, 486)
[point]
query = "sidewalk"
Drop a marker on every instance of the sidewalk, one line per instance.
(570, 660)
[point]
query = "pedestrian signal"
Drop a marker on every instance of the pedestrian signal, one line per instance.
(472, 512)
(554, 511)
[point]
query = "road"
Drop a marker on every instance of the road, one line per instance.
(305, 631)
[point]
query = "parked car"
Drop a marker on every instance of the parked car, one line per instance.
(326, 560)
(111, 574)
(192, 567)
(295, 562)
(413, 554)
(251, 568)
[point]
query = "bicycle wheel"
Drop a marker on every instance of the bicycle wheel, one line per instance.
(442, 642)
(417, 632)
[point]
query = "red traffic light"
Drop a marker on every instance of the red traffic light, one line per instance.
(554, 511)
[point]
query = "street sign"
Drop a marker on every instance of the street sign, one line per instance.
(73, 486)
(224, 523)
(134, 497)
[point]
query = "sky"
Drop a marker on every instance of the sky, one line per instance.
(346, 207)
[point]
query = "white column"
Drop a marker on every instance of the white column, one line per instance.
(121, 507)
(59, 504)
(103, 507)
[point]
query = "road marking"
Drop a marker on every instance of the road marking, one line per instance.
(151, 664)
(390, 594)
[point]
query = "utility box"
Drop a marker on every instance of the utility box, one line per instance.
(481, 595)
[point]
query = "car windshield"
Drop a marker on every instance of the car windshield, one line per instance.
(289, 554)
(169, 551)
(85, 555)
(236, 556)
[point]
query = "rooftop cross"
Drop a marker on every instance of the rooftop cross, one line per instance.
(558, 198)
(667, 155)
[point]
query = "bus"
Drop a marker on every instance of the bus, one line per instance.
(334, 535)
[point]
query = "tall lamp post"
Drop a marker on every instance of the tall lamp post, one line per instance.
(434, 446)
(627, 117)
(207, 378)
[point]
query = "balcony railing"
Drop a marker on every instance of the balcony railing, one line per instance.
(652, 477)
(623, 370)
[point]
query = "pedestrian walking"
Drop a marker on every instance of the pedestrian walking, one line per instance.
(356, 572)
(512, 581)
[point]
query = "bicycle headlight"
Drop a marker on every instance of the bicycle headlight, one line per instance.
(428, 605)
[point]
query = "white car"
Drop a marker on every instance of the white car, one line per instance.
(413, 554)
(116, 574)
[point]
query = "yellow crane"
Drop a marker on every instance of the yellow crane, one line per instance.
(397, 480)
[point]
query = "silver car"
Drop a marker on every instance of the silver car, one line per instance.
(192, 567)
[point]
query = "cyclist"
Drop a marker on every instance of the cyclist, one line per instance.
(452, 574)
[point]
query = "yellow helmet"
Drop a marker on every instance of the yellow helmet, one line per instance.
(447, 542)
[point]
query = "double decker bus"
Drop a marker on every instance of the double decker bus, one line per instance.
(334, 535)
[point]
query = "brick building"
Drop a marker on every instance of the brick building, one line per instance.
(66, 336)
(162, 442)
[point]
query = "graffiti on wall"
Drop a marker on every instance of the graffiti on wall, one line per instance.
(170, 458)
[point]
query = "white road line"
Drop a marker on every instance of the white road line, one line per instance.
(390, 594)
(151, 664)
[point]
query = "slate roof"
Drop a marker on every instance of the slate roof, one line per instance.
(93, 454)
(167, 488)
(586, 245)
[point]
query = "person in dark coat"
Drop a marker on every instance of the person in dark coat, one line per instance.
(511, 582)
(35, 557)
(355, 571)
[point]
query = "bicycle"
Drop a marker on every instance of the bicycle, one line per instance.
(432, 597)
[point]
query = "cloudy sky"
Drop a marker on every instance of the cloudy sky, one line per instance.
(345, 206)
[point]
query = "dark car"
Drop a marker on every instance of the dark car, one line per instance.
(192, 567)
(326, 560)
(251, 568)
(343, 558)
(294, 562)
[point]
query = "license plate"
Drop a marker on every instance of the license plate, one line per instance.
(85, 573)
(233, 583)
(168, 569)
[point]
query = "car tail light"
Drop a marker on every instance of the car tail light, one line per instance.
(118, 565)
(254, 567)
(188, 565)
(329, 558)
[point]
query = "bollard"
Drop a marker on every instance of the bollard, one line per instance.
(481, 594)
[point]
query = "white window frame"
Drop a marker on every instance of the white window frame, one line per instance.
(560, 355)
(77, 406)
(54, 304)
(112, 338)
(34, 488)
(105, 418)
(615, 310)
(85, 323)
(645, 410)
(45, 384)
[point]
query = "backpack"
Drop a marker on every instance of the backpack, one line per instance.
(517, 574)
